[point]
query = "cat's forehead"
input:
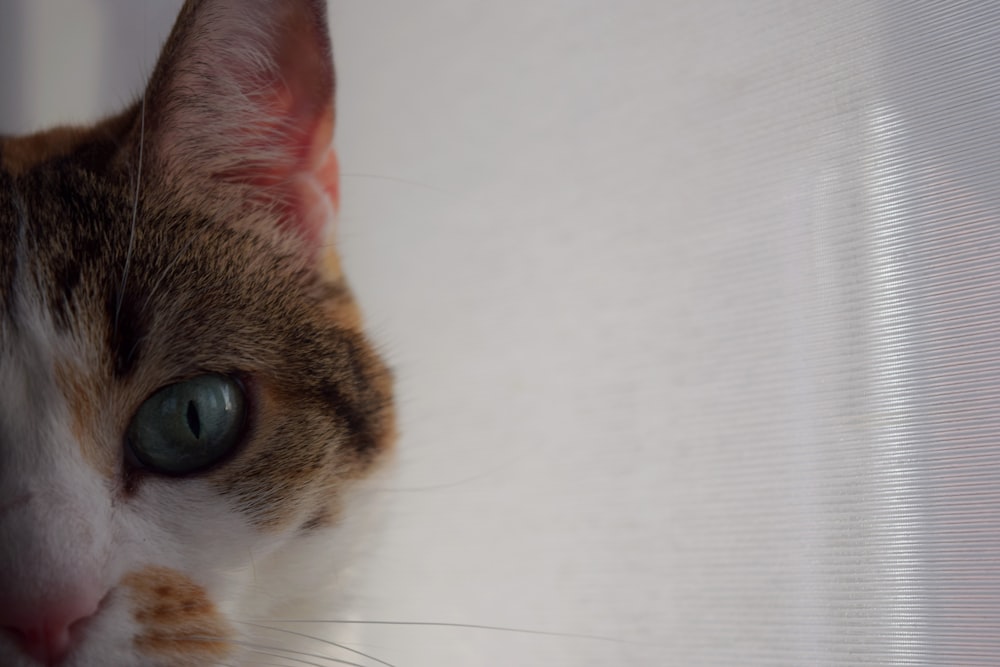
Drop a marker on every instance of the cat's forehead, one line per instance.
(115, 289)
(113, 259)
(65, 239)
(143, 278)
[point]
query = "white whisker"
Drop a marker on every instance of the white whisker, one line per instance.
(467, 626)
(320, 639)
(256, 648)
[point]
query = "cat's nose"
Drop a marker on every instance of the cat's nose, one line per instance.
(44, 631)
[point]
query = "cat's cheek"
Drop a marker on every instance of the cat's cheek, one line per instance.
(176, 582)
(107, 639)
(176, 618)
(157, 617)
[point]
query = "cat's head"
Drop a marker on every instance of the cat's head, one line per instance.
(187, 399)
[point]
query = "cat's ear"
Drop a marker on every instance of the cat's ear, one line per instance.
(242, 99)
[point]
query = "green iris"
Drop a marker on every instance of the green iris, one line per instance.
(189, 425)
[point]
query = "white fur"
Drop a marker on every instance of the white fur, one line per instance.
(73, 529)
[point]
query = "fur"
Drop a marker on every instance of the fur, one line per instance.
(190, 234)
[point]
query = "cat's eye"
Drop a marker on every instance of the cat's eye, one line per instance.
(189, 425)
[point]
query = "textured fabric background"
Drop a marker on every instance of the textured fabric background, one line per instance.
(693, 306)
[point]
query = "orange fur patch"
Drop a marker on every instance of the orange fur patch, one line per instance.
(82, 395)
(178, 619)
(340, 307)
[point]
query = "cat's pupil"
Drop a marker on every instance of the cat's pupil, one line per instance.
(189, 425)
(192, 419)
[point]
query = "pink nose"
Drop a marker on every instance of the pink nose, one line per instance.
(44, 632)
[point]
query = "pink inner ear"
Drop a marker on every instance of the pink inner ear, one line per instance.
(304, 169)
(249, 85)
(305, 100)
(303, 173)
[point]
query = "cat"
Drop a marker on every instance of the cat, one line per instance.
(189, 406)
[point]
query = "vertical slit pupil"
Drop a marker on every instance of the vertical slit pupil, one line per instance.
(194, 423)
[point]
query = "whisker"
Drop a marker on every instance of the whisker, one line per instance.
(320, 639)
(135, 210)
(305, 662)
(438, 487)
(283, 657)
(256, 648)
(468, 626)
